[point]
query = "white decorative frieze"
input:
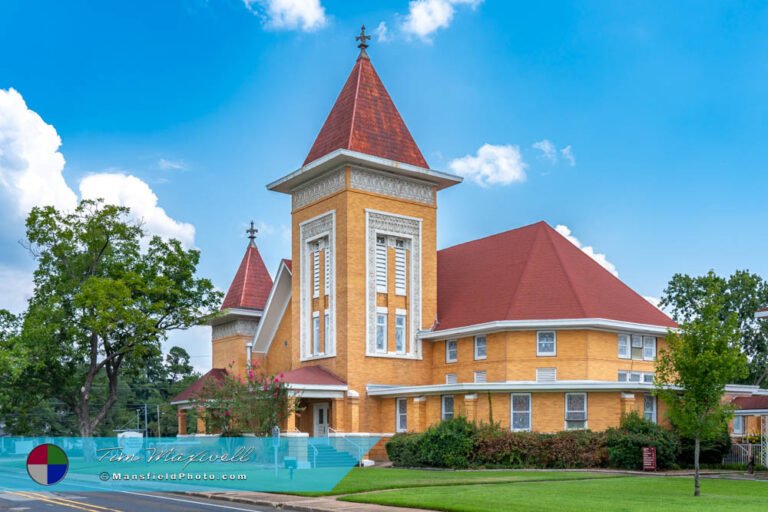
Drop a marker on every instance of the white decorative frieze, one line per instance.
(235, 328)
(385, 184)
(318, 188)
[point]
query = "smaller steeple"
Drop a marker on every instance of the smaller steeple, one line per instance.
(363, 44)
(252, 283)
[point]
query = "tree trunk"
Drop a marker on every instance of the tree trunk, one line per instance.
(696, 453)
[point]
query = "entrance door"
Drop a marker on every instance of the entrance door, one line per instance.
(321, 419)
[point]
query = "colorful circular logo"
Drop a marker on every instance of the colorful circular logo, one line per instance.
(47, 464)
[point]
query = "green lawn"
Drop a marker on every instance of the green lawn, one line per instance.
(374, 479)
(604, 495)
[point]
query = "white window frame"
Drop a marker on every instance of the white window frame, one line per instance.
(625, 340)
(631, 376)
(327, 286)
(315, 333)
(645, 410)
(541, 353)
(649, 348)
(401, 274)
(443, 399)
(451, 378)
(513, 412)
(448, 344)
(485, 347)
(483, 374)
(401, 414)
(381, 271)
(586, 416)
(326, 328)
(379, 315)
(401, 342)
(742, 429)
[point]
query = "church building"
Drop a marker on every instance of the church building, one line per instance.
(378, 332)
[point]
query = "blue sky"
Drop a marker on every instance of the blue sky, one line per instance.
(663, 106)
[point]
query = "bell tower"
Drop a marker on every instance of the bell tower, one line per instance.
(364, 207)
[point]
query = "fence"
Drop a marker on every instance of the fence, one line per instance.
(741, 453)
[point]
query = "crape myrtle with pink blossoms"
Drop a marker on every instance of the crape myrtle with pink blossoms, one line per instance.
(250, 404)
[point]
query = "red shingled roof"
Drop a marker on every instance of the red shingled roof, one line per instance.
(751, 402)
(252, 283)
(761, 310)
(193, 391)
(289, 264)
(364, 119)
(532, 273)
(317, 375)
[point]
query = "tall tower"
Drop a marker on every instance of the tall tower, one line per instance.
(364, 241)
(242, 309)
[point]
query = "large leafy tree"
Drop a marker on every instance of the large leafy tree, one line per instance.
(691, 373)
(105, 298)
(742, 293)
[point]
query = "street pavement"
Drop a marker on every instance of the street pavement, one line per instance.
(27, 501)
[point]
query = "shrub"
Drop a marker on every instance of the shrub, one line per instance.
(448, 444)
(712, 450)
(403, 450)
(574, 449)
(625, 443)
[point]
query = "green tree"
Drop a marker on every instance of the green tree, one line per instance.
(105, 298)
(691, 374)
(743, 293)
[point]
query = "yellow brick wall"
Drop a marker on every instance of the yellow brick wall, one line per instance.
(278, 357)
(230, 351)
(511, 356)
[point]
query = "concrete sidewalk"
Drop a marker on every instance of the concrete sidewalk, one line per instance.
(298, 503)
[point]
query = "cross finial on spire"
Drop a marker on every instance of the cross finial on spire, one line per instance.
(252, 233)
(363, 44)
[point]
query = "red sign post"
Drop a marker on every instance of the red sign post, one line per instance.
(649, 458)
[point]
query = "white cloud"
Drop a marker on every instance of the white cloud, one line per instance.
(567, 153)
(16, 288)
(425, 17)
(588, 249)
(30, 162)
(171, 165)
(382, 33)
(547, 149)
(493, 165)
(306, 15)
(130, 191)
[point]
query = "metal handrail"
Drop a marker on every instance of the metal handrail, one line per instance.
(314, 455)
(359, 448)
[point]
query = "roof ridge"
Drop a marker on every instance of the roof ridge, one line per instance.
(359, 67)
(528, 259)
(566, 270)
(247, 268)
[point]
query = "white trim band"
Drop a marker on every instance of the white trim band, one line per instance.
(569, 323)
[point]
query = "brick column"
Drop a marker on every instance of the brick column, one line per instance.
(419, 414)
(338, 414)
(181, 418)
(290, 421)
(201, 421)
(353, 408)
(470, 407)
